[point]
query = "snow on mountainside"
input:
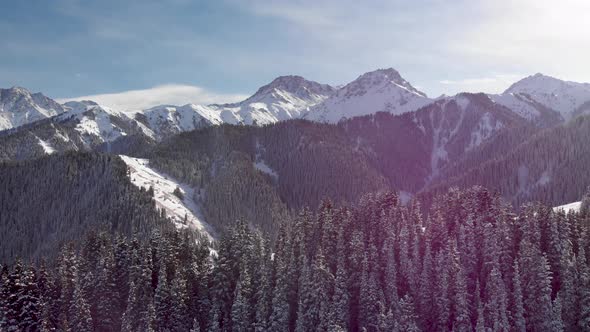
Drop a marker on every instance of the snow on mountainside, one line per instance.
(539, 95)
(183, 212)
(459, 124)
(383, 90)
(286, 97)
(98, 124)
(18, 107)
(167, 120)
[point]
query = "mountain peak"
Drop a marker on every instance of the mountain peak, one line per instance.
(388, 73)
(296, 85)
(542, 95)
(537, 81)
(381, 78)
(18, 89)
(381, 90)
(19, 107)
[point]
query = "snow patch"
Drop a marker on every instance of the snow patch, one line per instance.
(185, 213)
(567, 208)
(46, 146)
(484, 130)
(260, 165)
(263, 167)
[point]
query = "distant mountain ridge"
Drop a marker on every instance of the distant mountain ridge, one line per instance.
(542, 100)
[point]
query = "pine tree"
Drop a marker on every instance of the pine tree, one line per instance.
(370, 299)
(240, 308)
(391, 293)
(425, 296)
(441, 291)
(81, 319)
(583, 290)
(264, 307)
(279, 319)
(407, 320)
(536, 281)
(163, 302)
(11, 285)
(557, 321)
(107, 317)
(179, 318)
(67, 271)
(462, 320)
(496, 305)
(518, 319)
(339, 304)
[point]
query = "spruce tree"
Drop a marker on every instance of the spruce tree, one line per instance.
(407, 320)
(81, 319)
(518, 318)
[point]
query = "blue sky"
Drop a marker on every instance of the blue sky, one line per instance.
(223, 50)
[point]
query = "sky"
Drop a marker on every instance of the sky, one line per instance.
(138, 53)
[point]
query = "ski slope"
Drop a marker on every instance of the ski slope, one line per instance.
(184, 213)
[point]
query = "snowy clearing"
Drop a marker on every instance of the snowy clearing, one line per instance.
(263, 167)
(184, 213)
(46, 146)
(571, 207)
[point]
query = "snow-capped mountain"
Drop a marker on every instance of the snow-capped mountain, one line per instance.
(166, 120)
(99, 124)
(286, 97)
(383, 90)
(541, 97)
(18, 106)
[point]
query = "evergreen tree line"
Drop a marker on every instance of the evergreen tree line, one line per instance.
(469, 264)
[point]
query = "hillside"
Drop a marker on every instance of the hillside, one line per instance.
(60, 198)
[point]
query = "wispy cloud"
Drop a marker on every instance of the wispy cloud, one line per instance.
(491, 84)
(168, 94)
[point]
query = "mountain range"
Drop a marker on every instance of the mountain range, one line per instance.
(540, 99)
(295, 142)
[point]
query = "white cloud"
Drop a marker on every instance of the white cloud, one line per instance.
(492, 84)
(168, 94)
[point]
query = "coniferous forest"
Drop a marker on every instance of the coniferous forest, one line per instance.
(467, 264)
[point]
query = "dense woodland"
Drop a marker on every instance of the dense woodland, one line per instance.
(311, 161)
(551, 166)
(374, 153)
(58, 198)
(468, 264)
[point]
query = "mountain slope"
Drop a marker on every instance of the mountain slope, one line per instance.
(383, 90)
(415, 148)
(61, 197)
(85, 126)
(182, 211)
(550, 166)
